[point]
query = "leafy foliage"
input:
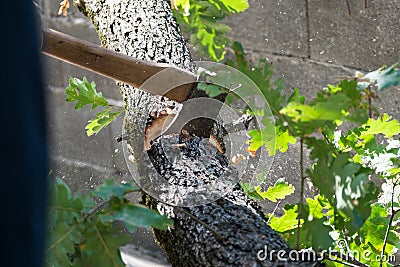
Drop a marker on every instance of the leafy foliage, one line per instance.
(348, 202)
(201, 19)
(79, 228)
(84, 93)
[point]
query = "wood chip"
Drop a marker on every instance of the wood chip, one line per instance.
(237, 158)
(154, 130)
(64, 5)
(214, 141)
(178, 145)
(251, 152)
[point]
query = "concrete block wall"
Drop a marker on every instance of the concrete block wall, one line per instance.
(308, 42)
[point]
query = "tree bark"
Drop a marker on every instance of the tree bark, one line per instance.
(227, 232)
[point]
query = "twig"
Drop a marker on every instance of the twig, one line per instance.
(388, 227)
(369, 98)
(301, 192)
(348, 7)
(348, 258)
(273, 212)
(369, 107)
(341, 261)
(178, 145)
(80, 220)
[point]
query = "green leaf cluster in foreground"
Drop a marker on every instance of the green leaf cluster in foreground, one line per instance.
(348, 143)
(84, 232)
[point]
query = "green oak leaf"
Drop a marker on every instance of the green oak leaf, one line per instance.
(272, 137)
(374, 230)
(383, 125)
(280, 190)
(60, 242)
(382, 78)
(102, 119)
(138, 216)
(288, 221)
(63, 205)
(202, 19)
(109, 189)
(235, 6)
(102, 243)
(84, 93)
(183, 6)
(317, 207)
(317, 231)
(333, 108)
(254, 192)
(65, 212)
(212, 90)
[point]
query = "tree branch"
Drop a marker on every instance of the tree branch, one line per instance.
(147, 30)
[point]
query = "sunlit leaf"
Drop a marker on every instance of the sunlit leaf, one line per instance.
(332, 109)
(102, 119)
(374, 230)
(272, 138)
(385, 125)
(382, 78)
(84, 93)
(280, 190)
(235, 5)
(316, 207)
(203, 20)
(288, 221)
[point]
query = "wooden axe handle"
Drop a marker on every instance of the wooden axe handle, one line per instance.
(115, 65)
